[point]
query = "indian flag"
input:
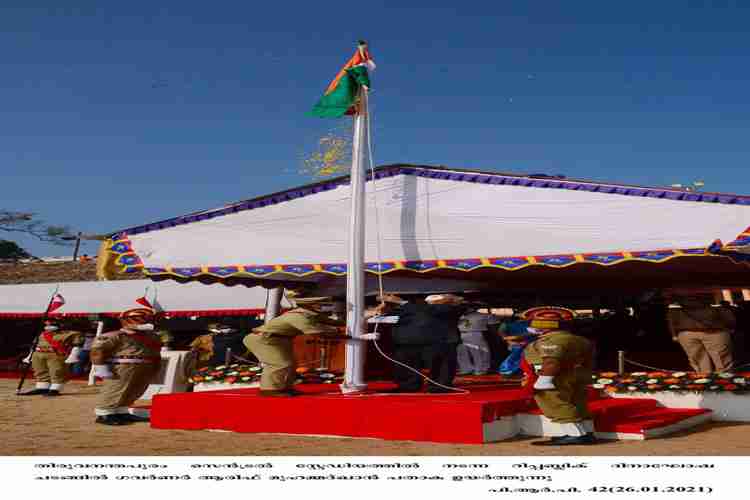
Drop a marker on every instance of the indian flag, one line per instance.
(340, 98)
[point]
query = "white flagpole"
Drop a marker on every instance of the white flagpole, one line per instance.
(356, 350)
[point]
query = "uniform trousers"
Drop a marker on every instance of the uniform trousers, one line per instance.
(50, 370)
(473, 353)
(128, 383)
(276, 354)
(440, 359)
(707, 351)
(568, 402)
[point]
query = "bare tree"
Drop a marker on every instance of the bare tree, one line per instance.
(26, 223)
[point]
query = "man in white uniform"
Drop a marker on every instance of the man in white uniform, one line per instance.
(473, 351)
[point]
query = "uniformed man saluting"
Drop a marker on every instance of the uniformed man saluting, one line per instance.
(562, 363)
(127, 359)
(55, 350)
(272, 342)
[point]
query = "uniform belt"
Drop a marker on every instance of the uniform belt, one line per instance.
(135, 361)
(46, 350)
(705, 330)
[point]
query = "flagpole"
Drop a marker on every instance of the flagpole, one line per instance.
(356, 350)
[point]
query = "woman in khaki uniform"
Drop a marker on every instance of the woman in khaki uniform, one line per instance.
(55, 350)
(562, 362)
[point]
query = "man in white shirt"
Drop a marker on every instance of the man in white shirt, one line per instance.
(473, 351)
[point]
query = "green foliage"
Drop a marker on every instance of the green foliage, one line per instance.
(11, 250)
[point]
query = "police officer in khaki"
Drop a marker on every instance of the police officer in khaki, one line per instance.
(272, 343)
(562, 362)
(210, 349)
(55, 350)
(128, 360)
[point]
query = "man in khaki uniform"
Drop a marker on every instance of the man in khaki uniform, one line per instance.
(127, 359)
(562, 362)
(55, 350)
(704, 332)
(272, 343)
(210, 349)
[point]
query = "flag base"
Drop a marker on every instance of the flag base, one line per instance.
(352, 389)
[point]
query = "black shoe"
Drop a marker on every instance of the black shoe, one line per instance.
(567, 441)
(129, 417)
(548, 442)
(35, 392)
(111, 420)
(440, 390)
(52, 392)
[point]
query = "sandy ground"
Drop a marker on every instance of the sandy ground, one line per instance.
(64, 426)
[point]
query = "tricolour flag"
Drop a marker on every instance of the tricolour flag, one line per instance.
(340, 98)
(56, 303)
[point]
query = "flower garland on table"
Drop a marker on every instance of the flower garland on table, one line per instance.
(613, 382)
(226, 374)
(249, 373)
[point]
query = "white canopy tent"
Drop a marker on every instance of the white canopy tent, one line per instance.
(442, 221)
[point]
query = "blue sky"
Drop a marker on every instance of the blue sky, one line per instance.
(116, 114)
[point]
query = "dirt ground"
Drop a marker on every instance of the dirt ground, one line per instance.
(64, 426)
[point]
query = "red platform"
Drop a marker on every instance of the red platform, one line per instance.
(323, 410)
(490, 410)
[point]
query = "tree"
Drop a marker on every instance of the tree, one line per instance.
(26, 223)
(11, 251)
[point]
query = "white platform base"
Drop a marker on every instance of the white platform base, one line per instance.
(541, 426)
(224, 387)
(501, 429)
(173, 374)
(537, 425)
(726, 406)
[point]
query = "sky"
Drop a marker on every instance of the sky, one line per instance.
(114, 114)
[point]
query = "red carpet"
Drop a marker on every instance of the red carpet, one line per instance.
(324, 411)
(452, 418)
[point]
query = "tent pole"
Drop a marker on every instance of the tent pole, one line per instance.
(355, 274)
(273, 306)
(99, 330)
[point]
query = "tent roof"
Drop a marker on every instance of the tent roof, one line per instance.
(442, 172)
(426, 219)
(112, 297)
